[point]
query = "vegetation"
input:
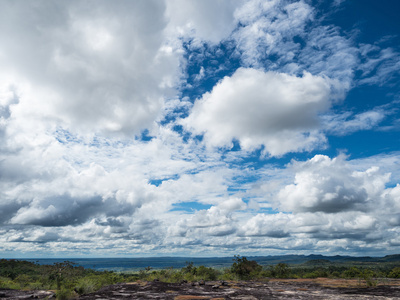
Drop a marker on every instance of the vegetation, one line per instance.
(69, 280)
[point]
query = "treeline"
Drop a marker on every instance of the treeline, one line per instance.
(70, 280)
(244, 269)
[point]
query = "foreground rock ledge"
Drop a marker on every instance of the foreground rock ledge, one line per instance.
(320, 288)
(250, 290)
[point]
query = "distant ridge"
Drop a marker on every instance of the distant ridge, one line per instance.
(139, 263)
(391, 258)
(300, 259)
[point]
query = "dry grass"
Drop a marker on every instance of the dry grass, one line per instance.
(190, 297)
(139, 282)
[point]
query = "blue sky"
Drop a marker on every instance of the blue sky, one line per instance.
(199, 128)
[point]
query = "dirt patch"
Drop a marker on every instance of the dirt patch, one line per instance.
(190, 297)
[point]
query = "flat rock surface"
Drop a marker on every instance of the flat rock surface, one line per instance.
(17, 294)
(248, 290)
(320, 288)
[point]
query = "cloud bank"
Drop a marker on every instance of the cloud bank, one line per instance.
(194, 128)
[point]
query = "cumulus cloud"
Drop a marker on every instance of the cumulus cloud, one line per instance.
(96, 70)
(213, 221)
(94, 159)
(273, 225)
(329, 185)
(257, 108)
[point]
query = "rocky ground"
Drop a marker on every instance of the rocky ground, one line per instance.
(243, 290)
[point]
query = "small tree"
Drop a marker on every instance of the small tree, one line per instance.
(189, 269)
(61, 272)
(353, 272)
(207, 273)
(394, 273)
(244, 268)
(282, 270)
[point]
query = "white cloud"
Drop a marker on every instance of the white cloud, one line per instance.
(232, 204)
(207, 20)
(210, 222)
(337, 2)
(78, 81)
(258, 108)
(268, 28)
(274, 225)
(325, 185)
(379, 65)
(330, 186)
(341, 125)
(96, 70)
(278, 36)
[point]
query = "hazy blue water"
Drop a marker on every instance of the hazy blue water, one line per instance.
(140, 263)
(135, 264)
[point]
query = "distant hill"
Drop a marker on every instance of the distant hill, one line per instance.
(139, 263)
(318, 262)
(321, 259)
(390, 258)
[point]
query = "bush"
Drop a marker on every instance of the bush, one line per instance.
(394, 273)
(353, 272)
(7, 283)
(245, 269)
(207, 273)
(176, 276)
(189, 269)
(64, 294)
(86, 286)
(23, 280)
(368, 275)
(281, 270)
(335, 274)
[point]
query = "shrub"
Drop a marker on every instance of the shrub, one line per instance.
(86, 286)
(245, 269)
(353, 272)
(394, 273)
(334, 274)
(23, 280)
(7, 283)
(282, 270)
(64, 294)
(189, 269)
(207, 273)
(367, 275)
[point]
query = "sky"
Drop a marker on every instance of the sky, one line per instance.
(199, 128)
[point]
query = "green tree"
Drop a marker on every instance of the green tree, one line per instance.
(206, 273)
(368, 275)
(282, 270)
(394, 273)
(353, 272)
(244, 268)
(189, 268)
